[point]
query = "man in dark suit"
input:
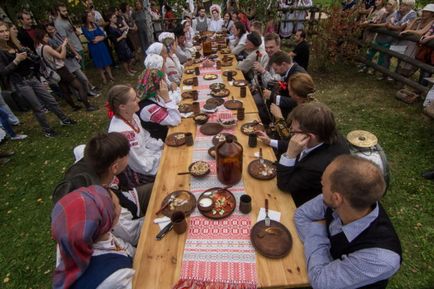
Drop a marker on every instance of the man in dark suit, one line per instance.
(313, 145)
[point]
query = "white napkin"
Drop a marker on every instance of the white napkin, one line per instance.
(187, 87)
(274, 215)
(162, 222)
(186, 115)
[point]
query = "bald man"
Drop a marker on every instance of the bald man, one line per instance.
(349, 241)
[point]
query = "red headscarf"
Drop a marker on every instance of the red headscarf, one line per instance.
(77, 221)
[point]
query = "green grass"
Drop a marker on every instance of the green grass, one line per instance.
(359, 102)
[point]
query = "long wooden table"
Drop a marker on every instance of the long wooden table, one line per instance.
(158, 263)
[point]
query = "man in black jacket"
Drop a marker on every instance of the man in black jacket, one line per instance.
(313, 145)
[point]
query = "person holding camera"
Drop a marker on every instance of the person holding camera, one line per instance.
(55, 60)
(18, 67)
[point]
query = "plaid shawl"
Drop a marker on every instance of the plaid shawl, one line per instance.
(149, 83)
(78, 220)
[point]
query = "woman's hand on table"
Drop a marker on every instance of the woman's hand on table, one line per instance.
(263, 137)
(276, 111)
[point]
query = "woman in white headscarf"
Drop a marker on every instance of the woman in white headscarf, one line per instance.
(189, 32)
(172, 65)
(216, 22)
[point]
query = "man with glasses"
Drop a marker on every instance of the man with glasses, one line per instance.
(313, 145)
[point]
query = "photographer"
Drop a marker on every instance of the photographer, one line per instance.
(18, 67)
(55, 60)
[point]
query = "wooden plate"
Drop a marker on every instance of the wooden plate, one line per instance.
(188, 81)
(175, 139)
(265, 171)
(215, 101)
(183, 201)
(211, 128)
(217, 86)
(225, 51)
(221, 137)
(227, 58)
(233, 104)
(219, 196)
(210, 106)
(201, 174)
(185, 108)
(201, 118)
(189, 71)
(225, 73)
(226, 63)
(250, 127)
(220, 93)
(240, 83)
(213, 56)
(273, 242)
(187, 94)
(210, 76)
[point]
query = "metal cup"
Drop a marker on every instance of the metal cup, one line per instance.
(195, 94)
(230, 76)
(253, 140)
(189, 139)
(195, 81)
(196, 70)
(245, 204)
(179, 222)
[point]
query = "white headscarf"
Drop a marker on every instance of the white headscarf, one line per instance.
(215, 7)
(165, 35)
(155, 48)
(154, 61)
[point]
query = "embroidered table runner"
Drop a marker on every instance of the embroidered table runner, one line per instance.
(217, 253)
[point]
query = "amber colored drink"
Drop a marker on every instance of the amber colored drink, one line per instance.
(229, 159)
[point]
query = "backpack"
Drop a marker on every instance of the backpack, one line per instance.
(45, 69)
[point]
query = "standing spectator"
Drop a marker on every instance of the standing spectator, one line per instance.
(4, 120)
(143, 21)
(26, 34)
(97, 48)
(169, 18)
(216, 22)
(289, 25)
(12, 118)
(67, 30)
(242, 17)
(154, 10)
(206, 4)
(300, 53)
(133, 34)
(118, 36)
(71, 61)
(99, 19)
(55, 60)
(202, 22)
(258, 27)
(19, 69)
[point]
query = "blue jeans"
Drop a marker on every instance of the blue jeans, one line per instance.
(5, 123)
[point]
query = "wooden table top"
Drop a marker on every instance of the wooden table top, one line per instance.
(158, 263)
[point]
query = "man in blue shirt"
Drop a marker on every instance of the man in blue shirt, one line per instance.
(349, 241)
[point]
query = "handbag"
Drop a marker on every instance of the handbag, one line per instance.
(47, 71)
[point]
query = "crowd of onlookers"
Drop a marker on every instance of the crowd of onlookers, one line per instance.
(105, 193)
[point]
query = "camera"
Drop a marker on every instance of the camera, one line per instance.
(30, 54)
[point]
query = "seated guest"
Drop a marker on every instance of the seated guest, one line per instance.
(240, 36)
(313, 145)
(172, 65)
(89, 255)
(183, 53)
(300, 54)
(227, 22)
(349, 240)
(301, 89)
(255, 53)
(216, 22)
(201, 22)
(105, 158)
(282, 64)
(189, 32)
(272, 45)
(258, 27)
(145, 151)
